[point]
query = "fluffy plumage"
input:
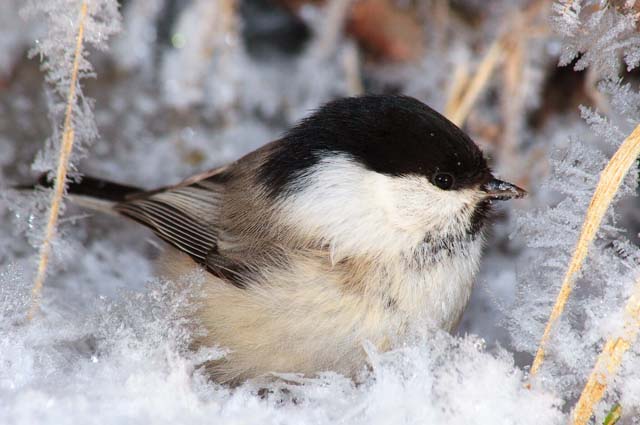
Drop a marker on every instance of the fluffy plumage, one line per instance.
(361, 221)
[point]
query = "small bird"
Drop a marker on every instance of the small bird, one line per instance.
(364, 219)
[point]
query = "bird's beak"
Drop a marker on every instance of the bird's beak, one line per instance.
(499, 190)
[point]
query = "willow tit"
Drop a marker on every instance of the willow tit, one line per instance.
(365, 218)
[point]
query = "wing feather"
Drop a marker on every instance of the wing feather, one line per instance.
(187, 216)
(184, 216)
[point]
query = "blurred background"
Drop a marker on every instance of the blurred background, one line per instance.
(205, 81)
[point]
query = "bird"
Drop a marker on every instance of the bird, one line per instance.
(366, 218)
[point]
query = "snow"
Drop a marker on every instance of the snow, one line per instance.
(125, 362)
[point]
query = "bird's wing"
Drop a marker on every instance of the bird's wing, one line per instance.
(185, 215)
(188, 217)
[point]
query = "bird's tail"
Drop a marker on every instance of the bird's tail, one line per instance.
(90, 192)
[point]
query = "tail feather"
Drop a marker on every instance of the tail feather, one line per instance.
(183, 215)
(96, 188)
(90, 192)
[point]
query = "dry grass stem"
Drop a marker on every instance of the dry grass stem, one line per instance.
(457, 86)
(608, 185)
(460, 102)
(61, 172)
(336, 16)
(352, 70)
(609, 360)
(228, 23)
(459, 110)
(221, 25)
(512, 98)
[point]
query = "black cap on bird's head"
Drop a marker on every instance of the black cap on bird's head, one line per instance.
(389, 134)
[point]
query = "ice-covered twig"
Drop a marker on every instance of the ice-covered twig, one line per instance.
(61, 171)
(609, 360)
(608, 185)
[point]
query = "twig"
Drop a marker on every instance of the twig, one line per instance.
(609, 360)
(61, 172)
(608, 185)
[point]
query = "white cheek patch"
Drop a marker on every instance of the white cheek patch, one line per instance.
(345, 205)
(422, 207)
(357, 210)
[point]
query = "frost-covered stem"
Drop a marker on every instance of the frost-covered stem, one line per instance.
(609, 360)
(61, 172)
(459, 110)
(608, 185)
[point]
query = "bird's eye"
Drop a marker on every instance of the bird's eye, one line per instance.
(443, 180)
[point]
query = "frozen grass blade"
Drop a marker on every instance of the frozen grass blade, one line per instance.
(608, 185)
(609, 360)
(61, 172)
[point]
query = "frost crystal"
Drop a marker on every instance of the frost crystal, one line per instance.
(597, 39)
(56, 50)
